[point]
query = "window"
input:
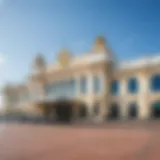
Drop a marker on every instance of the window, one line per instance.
(61, 89)
(47, 88)
(115, 87)
(96, 83)
(132, 85)
(83, 85)
(155, 83)
(72, 87)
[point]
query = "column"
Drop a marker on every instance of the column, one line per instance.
(101, 117)
(77, 85)
(31, 92)
(90, 95)
(90, 84)
(90, 110)
(143, 100)
(123, 98)
(103, 83)
(104, 97)
(40, 91)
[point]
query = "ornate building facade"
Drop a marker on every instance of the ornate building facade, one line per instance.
(94, 86)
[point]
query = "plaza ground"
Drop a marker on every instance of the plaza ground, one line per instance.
(113, 141)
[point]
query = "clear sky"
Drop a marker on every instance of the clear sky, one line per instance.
(132, 28)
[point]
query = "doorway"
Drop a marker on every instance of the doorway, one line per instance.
(155, 110)
(64, 111)
(132, 111)
(114, 112)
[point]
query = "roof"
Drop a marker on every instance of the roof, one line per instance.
(140, 63)
(81, 60)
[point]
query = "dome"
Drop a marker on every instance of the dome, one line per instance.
(39, 62)
(99, 45)
(64, 57)
(102, 47)
(100, 40)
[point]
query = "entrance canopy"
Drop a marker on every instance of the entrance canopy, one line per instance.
(57, 102)
(60, 110)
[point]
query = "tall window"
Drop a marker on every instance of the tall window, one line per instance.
(73, 87)
(96, 83)
(115, 87)
(83, 85)
(132, 85)
(47, 89)
(155, 83)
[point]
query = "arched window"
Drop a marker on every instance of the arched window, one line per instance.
(47, 89)
(155, 83)
(72, 87)
(83, 85)
(132, 85)
(115, 87)
(96, 84)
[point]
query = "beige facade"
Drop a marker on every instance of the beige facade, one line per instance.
(99, 62)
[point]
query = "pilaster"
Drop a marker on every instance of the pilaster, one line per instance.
(143, 96)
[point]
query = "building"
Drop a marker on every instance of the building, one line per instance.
(94, 86)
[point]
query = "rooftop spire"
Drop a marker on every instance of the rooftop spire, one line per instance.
(99, 45)
(39, 62)
(64, 57)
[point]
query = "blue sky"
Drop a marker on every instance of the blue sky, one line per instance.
(131, 27)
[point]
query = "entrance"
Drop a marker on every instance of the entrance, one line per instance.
(155, 110)
(132, 112)
(59, 111)
(64, 111)
(114, 112)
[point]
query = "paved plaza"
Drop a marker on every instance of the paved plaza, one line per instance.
(112, 141)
